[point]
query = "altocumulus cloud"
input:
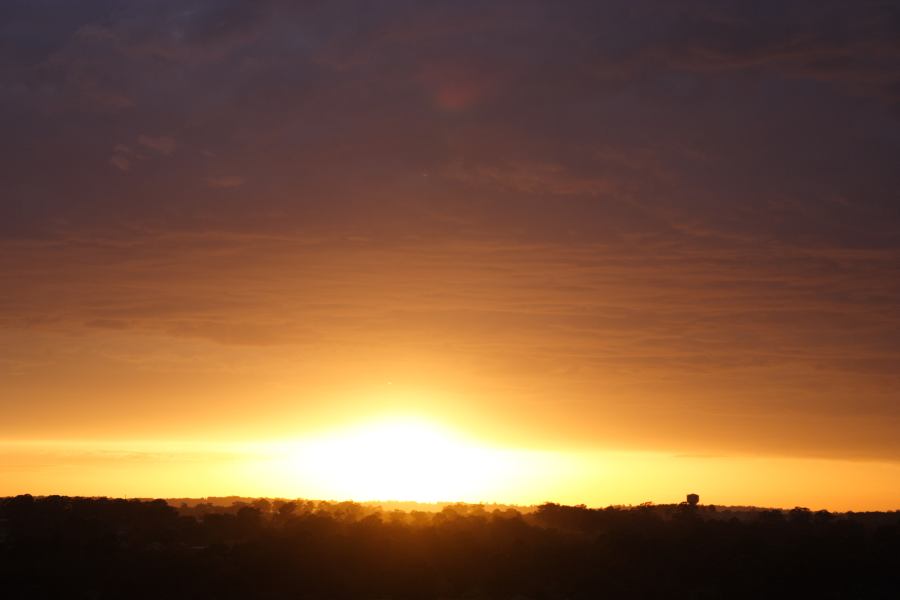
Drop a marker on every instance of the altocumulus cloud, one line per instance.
(625, 207)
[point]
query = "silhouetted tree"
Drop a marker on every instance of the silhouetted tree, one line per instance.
(58, 547)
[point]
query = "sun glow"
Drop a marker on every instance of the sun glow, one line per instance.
(404, 459)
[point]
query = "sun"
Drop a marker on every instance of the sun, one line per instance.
(402, 459)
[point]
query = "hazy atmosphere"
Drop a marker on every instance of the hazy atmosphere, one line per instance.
(585, 252)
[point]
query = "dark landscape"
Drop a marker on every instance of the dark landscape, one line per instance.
(62, 547)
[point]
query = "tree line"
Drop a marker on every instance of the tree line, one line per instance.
(64, 547)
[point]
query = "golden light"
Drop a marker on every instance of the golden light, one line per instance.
(418, 459)
(403, 459)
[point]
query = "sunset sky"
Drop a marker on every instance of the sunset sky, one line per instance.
(580, 251)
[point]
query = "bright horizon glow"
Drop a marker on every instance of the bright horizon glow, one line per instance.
(411, 458)
(406, 458)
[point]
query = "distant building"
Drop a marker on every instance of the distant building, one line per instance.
(693, 499)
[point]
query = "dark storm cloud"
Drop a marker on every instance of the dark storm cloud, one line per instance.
(696, 192)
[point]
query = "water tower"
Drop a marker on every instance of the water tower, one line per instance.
(693, 499)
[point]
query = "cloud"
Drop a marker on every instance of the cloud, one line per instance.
(225, 181)
(163, 144)
(629, 208)
(531, 178)
(120, 162)
(115, 324)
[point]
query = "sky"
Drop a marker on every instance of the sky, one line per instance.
(647, 247)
